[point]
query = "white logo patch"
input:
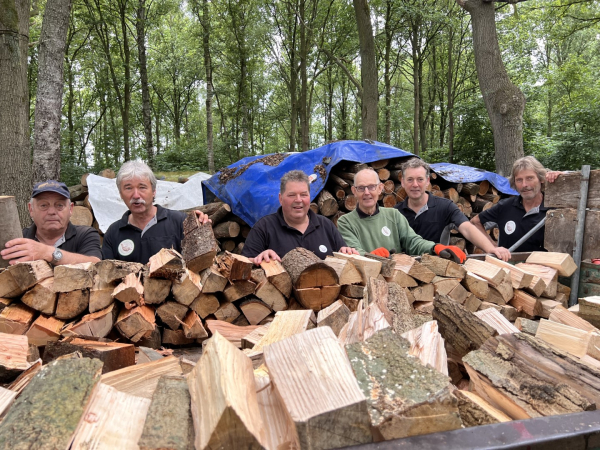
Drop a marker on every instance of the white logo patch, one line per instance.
(126, 247)
(322, 249)
(386, 231)
(510, 227)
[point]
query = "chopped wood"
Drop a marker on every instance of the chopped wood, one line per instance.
(187, 287)
(423, 293)
(443, 267)
(238, 289)
(101, 295)
(18, 278)
(561, 315)
(501, 293)
(569, 339)
(42, 297)
(13, 356)
(141, 379)
(497, 321)
(307, 270)
(317, 298)
(113, 270)
(227, 312)
(25, 378)
(98, 324)
(199, 246)
(475, 411)
(233, 333)
(71, 277)
(156, 290)
(352, 291)
(334, 401)
(169, 422)
(16, 318)
(226, 230)
(205, 305)
(427, 344)
(277, 276)
(167, 264)
(223, 399)
(402, 279)
(488, 271)
(547, 307)
(212, 281)
(36, 419)
(136, 323)
(175, 337)
(327, 203)
(73, 303)
(351, 303)
(269, 294)
(459, 327)
(7, 397)
(548, 274)
(235, 267)
(407, 399)
(526, 325)
(334, 316)
(102, 424)
(367, 267)
(363, 323)
(255, 310)
(388, 266)
(130, 291)
(44, 329)
(525, 302)
(171, 314)
(252, 338)
(345, 269)
(114, 355)
(412, 267)
(472, 303)
(520, 279)
(562, 262)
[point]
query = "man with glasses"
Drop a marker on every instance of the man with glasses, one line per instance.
(52, 237)
(370, 228)
(430, 216)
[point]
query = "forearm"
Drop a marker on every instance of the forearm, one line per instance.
(479, 227)
(478, 236)
(75, 258)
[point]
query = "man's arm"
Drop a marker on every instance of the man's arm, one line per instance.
(482, 240)
(21, 250)
(107, 248)
(349, 235)
(476, 222)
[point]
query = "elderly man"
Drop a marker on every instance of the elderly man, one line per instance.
(52, 237)
(293, 225)
(370, 228)
(515, 216)
(146, 228)
(429, 215)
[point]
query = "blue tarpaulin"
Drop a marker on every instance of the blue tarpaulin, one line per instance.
(465, 174)
(254, 193)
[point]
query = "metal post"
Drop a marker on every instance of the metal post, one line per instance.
(578, 247)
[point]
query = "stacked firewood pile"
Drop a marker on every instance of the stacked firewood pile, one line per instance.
(379, 360)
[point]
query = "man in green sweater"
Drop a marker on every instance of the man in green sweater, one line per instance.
(370, 228)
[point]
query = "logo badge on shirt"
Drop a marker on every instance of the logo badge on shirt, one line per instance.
(322, 249)
(126, 247)
(510, 227)
(386, 231)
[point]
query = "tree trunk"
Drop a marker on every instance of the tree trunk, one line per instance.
(503, 100)
(416, 88)
(368, 70)
(146, 113)
(210, 153)
(389, 35)
(15, 170)
(303, 79)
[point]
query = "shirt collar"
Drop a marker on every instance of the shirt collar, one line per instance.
(161, 214)
(68, 234)
(364, 215)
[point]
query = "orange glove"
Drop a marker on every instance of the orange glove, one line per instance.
(450, 252)
(381, 251)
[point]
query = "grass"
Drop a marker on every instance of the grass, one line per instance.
(174, 176)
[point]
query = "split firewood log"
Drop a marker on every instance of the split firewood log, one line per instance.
(199, 246)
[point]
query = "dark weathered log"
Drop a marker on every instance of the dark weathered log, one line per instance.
(42, 297)
(199, 246)
(218, 216)
(97, 324)
(10, 226)
(71, 304)
(16, 279)
(113, 355)
(137, 323)
(167, 264)
(112, 270)
(334, 316)
(156, 290)
(327, 203)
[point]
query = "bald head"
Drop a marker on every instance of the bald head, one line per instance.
(366, 189)
(366, 177)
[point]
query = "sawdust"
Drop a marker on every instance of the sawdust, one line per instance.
(230, 173)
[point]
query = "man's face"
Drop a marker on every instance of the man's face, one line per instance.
(295, 201)
(414, 181)
(527, 184)
(51, 212)
(137, 194)
(368, 182)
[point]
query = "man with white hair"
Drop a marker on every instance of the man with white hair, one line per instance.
(146, 228)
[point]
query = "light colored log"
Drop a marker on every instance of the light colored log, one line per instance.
(345, 269)
(367, 267)
(412, 267)
(187, 287)
(42, 297)
(71, 277)
(526, 303)
(489, 272)
(443, 267)
(167, 264)
(548, 274)
(520, 279)
(233, 333)
(497, 321)
(427, 344)
(97, 324)
(561, 315)
(562, 262)
(18, 278)
(44, 329)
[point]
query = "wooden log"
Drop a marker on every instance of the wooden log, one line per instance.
(423, 293)
(43, 330)
(480, 205)
(470, 188)
(388, 266)
(113, 355)
(352, 291)
(235, 267)
(226, 230)
(192, 326)
(401, 279)
(348, 203)
(451, 195)
(205, 305)
(136, 323)
(277, 276)
(238, 289)
(497, 321)
(223, 401)
(548, 274)
(412, 267)
(167, 264)
(567, 385)
(212, 280)
(389, 200)
(113, 271)
(10, 225)
(187, 287)
(175, 337)
(36, 419)
(367, 267)
(307, 270)
(547, 307)
(18, 278)
(98, 324)
(562, 262)
(520, 279)
(16, 318)
(107, 173)
(14, 356)
(488, 271)
(130, 291)
(559, 234)
(42, 297)
(459, 327)
(589, 309)
(171, 314)
(388, 187)
(564, 192)
(233, 333)
(342, 182)
(141, 379)
(334, 316)
(78, 192)
(338, 192)
(220, 214)
(363, 323)
(317, 298)
(252, 338)
(472, 303)
(526, 325)
(82, 216)
(110, 410)
(269, 294)
(255, 310)
(228, 245)
(156, 290)
(169, 422)
(484, 187)
(336, 402)
(427, 344)
(423, 405)
(443, 267)
(527, 303)
(475, 411)
(72, 304)
(569, 339)
(71, 277)
(561, 315)
(327, 203)
(199, 245)
(401, 195)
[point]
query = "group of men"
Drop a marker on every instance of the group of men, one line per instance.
(414, 226)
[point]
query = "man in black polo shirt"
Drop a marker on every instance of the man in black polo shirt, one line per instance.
(515, 216)
(429, 215)
(293, 225)
(52, 237)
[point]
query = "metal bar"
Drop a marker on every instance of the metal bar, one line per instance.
(530, 233)
(578, 247)
(514, 256)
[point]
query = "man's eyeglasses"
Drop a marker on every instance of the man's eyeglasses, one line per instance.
(371, 188)
(46, 206)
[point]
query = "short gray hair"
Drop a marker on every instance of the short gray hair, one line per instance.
(294, 176)
(527, 163)
(135, 169)
(415, 163)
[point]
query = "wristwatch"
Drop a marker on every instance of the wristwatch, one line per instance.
(56, 256)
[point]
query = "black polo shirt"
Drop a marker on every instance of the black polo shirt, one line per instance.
(514, 223)
(78, 239)
(125, 241)
(272, 232)
(431, 223)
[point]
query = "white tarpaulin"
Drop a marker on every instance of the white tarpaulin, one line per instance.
(108, 206)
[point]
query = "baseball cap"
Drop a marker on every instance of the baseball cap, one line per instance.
(51, 186)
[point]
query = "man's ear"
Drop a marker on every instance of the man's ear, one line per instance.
(280, 197)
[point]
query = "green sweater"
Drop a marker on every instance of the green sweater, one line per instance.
(388, 229)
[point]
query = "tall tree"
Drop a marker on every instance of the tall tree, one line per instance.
(140, 25)
(15, 170)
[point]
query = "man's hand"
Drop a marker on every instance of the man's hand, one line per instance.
(381, 251)
(450, 252)
(202, 218)
(349, 251)
(21, 250)
(501, 253)
(266, 256)
(552, 175)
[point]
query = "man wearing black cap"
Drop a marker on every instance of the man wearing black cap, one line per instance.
(52, 237)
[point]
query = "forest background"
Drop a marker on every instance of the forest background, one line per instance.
(283, 76)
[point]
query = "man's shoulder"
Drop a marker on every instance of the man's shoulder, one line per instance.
(171, 214)
(267, 221)
(441, 201)
(80, 230)
(29, 232)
